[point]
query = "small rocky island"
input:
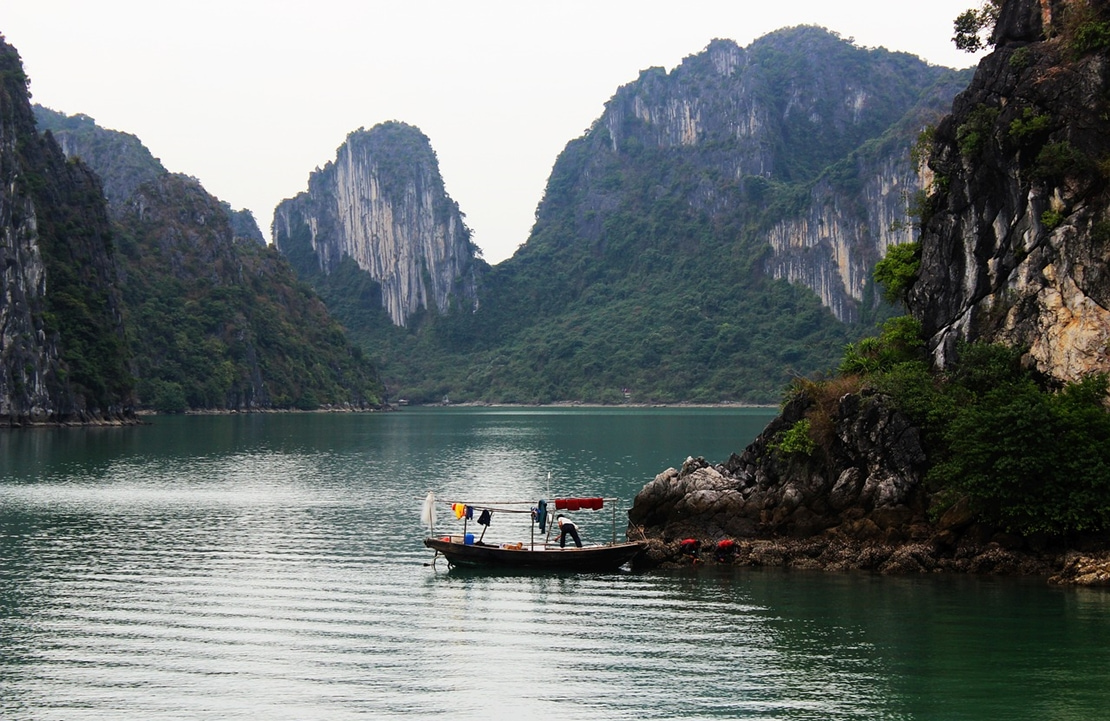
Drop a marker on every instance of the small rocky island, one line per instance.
(866, 509)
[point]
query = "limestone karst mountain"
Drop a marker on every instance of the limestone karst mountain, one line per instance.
(382, 204)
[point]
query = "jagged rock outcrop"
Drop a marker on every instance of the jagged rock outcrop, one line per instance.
(62, 350)
(382, 203)
(865, 482)
(857, 502)
(1017, 243)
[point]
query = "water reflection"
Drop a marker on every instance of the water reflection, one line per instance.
(271, 567)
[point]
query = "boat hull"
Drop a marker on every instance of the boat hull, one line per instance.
(587, 558)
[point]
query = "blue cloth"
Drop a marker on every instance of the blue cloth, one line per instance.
(541, 515)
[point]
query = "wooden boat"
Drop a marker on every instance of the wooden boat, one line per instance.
(536, 553)
(587, 558)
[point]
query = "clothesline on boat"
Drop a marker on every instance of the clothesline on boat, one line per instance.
(488, 507)
(583, 503)
(538, 512)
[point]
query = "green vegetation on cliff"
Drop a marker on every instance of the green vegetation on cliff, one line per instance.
(220, 322)
(1027, 455)
(83, 302)
(63, 356)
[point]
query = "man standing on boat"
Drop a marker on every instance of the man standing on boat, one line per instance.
(567, 527)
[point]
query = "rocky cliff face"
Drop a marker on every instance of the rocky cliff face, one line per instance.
(382, 203)
(832, 249)
(62, 350)
(868, 483)
(847, 227)
(1018, 238)
(785, 110)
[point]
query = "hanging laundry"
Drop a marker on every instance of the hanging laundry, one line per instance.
(428, 512)
(541, 515)
(459, 509)
(484, 518)
(469, 512)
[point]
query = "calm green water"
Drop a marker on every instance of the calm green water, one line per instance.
(270, 567)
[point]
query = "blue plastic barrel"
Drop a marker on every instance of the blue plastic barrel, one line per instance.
(469, 539)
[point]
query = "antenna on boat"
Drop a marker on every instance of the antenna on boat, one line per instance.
(549, 484)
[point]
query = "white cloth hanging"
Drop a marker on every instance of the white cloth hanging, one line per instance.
(428, 513)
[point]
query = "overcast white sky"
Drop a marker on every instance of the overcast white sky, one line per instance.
(250, 96)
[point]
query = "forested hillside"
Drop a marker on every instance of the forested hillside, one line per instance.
(215, 319)
(711, 236)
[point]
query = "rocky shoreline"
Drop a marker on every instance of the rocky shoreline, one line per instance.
(862, 505)
(833, 553)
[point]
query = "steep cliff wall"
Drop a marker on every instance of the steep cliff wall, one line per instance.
(859, 208)
(382, 203)
(799, 107)
(832, 249)
(62, 350)
(26, 357)
(1018, 239)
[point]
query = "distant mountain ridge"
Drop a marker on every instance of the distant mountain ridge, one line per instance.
(122, 162)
